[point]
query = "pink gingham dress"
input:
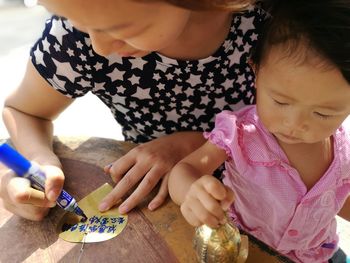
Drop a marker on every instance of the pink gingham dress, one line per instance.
(272, 203)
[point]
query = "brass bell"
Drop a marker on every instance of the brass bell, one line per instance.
(222, 244)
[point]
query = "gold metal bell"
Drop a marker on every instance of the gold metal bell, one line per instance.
(213, 245)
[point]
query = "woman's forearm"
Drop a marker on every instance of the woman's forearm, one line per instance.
(32, 136)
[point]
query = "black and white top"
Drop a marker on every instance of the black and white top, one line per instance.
(153, 95)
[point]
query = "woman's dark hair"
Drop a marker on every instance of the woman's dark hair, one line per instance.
(230, 5)
(323, 25)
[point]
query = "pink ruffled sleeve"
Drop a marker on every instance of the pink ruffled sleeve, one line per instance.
(224, 134)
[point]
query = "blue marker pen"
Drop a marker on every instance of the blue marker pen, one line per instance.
(24, 168)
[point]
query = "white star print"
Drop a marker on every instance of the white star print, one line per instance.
(65, 69)
(161, 86)
(205, 99)
(204, 126)
(169, 76)
(199, 112)
(247, 23)
(57, 30)
(177, 71)
(78, 92)
(57, 47)
(246, 48)
(46, 45)
(137, 115)
(254, 37)
(157, 116)
(156, 77)
(122, 109)
(98, 66)
(187, 104)
(84, 83)
(79, 44)
(228, 83)
(68, 25)
(210, 82)
(121, 89)
(134, 80)
(195, 80)
(239, 41)
(143, 93)
(88, 41)
(138, 63)
(240, 79)
(39, 56)
(70, 52)
(173, 115)
(118, 99)
(113, 58)
(57, 83)
(82, 57)
(80, 67)
(235, 58)
(220, 103)
(99, 86)
(116, 74)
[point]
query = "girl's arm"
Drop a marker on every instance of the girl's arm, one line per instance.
(205, 160)
(202, 197)
(345, 211)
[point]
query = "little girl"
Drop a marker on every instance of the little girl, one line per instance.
(287, 158)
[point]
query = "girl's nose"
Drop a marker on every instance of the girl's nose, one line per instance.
(296, 122)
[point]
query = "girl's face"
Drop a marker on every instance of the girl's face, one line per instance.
(300, 102)
(125, 27)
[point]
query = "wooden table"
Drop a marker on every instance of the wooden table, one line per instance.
(159, 236)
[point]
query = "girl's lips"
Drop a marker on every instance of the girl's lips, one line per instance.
(287, 137)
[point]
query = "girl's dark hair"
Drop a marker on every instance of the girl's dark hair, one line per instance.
(323, 25)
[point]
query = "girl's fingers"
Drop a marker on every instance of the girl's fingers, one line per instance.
(189, 216)
(214, 187)
(211, 205)
(226, 203)
(201, 213)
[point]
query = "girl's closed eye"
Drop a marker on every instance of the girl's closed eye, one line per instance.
(280, 103)
(322, 116)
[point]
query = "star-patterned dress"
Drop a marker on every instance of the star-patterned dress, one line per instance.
(153, 95)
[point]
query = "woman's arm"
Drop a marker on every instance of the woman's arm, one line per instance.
(28, 113)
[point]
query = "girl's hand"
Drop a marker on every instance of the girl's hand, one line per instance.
(148, 164)
(206, 202)
(21, 199)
